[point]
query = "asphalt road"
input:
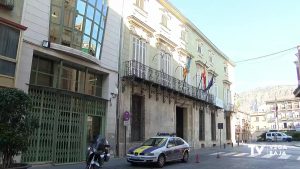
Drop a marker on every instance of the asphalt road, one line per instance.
(264, 156)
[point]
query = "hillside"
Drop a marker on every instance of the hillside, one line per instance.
(254, 100)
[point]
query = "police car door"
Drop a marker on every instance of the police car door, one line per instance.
(180, 147)
(170, 153)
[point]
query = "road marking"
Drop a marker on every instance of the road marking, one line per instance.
(217, 153)
(229, 154)
(241, 154)
(284, 157)
(254, 155)
(268, 156)
(298, 158)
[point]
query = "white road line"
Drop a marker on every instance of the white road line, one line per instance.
(284, 157)
(254, 155)
(229, 154)
(298, 158)
(241, 154)
(217, 153)
(267, 156)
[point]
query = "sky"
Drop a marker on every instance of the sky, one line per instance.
(245, 29)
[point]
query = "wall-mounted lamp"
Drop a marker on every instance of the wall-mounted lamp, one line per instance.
(113, 95)
(54, 15)
(46, 44)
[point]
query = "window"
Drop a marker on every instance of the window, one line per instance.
(7, 68)
(225, 69)
(213, 126)
(139, 55)
(257, 128)
(86, 34)
(165, 66)
(210, 59)
(199, 49)
(94, 85)
(201, 125)
(140, 4)
(171, 142)
(269, 134)
(164, 20)
(183, 35)
(257, 119)
(42, 72)
(179, 142)
(9, 41)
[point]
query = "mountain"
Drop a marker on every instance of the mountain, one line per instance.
(254, 100)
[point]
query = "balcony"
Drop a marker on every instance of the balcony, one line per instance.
(140, 72)
(228, 107)
(7, 4)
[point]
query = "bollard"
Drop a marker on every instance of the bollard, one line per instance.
(197, 158)
(224, 145)
(218, 155)
(232, 144)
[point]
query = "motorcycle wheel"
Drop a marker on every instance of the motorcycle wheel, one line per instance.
(93, 167)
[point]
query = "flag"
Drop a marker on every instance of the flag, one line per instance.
(210, 83)
(203, 78)
(276, 108)
(186, 69)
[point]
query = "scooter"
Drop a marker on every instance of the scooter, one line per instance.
(97, 154)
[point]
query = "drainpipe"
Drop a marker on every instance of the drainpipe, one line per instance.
(119, 86)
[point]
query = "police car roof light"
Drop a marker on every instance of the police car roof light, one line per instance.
(166, 134)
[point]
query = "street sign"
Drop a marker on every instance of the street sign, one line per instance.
(126, 116)
(220, 125)
(126, 123)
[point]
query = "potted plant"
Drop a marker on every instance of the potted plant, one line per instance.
(16, 125)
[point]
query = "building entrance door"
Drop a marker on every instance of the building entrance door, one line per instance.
(179, 122)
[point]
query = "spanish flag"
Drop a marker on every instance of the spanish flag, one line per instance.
(203, 78)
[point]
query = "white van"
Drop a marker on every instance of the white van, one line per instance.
(278, 136)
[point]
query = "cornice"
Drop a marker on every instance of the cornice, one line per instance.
(136, 21)
(161, 37)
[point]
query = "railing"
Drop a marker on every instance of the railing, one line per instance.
(138, 70)
(8, 4)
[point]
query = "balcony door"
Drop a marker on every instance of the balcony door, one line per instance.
(165, 67)
(139, 56)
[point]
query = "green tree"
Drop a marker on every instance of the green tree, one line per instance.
(16, 123)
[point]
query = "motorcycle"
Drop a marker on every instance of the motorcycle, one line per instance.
(97, 154)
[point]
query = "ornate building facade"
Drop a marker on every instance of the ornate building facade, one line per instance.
(163, 57)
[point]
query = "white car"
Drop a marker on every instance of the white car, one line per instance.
(159, 150)
(278, 136)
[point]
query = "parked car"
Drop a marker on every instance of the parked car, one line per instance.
(160, 149)
(278, 136)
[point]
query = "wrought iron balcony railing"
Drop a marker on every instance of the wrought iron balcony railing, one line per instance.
(8, 4)
(138, 70)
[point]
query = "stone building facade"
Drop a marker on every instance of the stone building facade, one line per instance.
(64, 54)
(286, 117)
(159, 43)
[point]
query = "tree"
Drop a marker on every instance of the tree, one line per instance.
(16, 123)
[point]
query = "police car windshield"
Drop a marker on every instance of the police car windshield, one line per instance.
(155, 142)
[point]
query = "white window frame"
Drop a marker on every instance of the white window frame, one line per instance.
(165, 65)
(140, 4)
(139, 52)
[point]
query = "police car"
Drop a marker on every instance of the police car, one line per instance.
(160, 149)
